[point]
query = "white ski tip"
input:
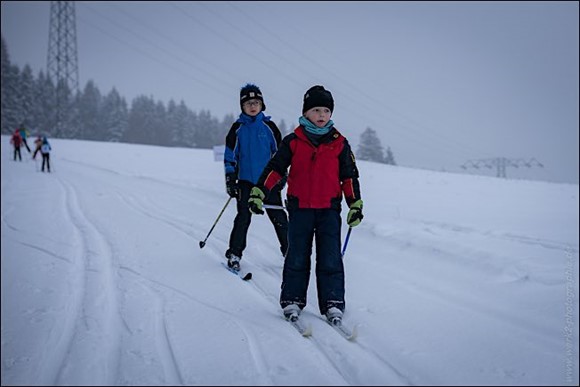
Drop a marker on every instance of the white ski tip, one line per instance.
(354, 334)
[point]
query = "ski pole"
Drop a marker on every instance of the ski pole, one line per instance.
(202, 243)
(346, 241)
(273, 207)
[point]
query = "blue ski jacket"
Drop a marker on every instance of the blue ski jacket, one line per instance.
(250, 143)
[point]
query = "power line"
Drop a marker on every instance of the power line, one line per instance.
(501, 163)
(413, 125)
(416, 133)
(171, 40)
(163, 49)
(229, 41)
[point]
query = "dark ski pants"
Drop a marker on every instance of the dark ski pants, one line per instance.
(304, 226)
(26, 145)
(238, 236)
(46, 160)
(17, 152)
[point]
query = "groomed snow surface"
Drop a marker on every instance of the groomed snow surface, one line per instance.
(453, 279)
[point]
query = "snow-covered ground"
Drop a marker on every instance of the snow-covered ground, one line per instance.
(454, 279)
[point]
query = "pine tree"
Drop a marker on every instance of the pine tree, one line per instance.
(173, 126)
(160, 136)
(89, 115)
(44, 111)
(225, 126)
(140, 128)
(26, 96)
(90, 110)
(115, 116)
(390, 158)
(9, 86)
(68, 124)
(206, 132)
(189, 131)
(370, 147)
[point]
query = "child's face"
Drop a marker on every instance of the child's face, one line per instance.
(318, 115)
(252, 107)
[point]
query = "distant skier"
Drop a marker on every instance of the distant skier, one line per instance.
(24, 134)
(16, 141)
(37, 146)
(45, 149)
(250, 143)
(322, 169)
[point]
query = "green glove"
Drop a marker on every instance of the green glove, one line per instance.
(256, 200)
(355, 214)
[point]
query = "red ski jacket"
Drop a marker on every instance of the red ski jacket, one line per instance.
(319, 174)
(16, 140)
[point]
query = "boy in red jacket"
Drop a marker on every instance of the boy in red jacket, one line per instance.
(16, 140)
(322, 169)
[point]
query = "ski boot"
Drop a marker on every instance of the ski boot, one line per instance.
(291, 312)
(334, 316)
(234, 262)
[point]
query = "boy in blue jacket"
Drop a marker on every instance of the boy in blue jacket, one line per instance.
(250, 143)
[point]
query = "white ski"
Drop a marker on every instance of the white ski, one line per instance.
(344, 331)
(303, 329)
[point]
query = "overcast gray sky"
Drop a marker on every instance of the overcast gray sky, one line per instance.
(441, 82)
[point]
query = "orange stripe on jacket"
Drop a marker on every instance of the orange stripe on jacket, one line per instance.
(271, 180)
(348, 189)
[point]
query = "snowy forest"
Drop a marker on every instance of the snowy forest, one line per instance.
(30, 101)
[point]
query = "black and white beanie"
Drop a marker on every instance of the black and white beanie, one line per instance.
(317, 96)
(251, 91)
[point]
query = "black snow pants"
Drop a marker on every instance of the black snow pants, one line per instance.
(46, 161)
(17, 152)
(238, 236)
(304, 225)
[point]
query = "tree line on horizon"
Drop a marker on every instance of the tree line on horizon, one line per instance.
(30, 101)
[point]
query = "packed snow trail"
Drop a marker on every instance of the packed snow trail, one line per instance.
(454, 279)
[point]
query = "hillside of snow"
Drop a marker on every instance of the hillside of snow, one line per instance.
(452, 279)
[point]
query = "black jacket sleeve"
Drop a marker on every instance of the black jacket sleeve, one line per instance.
(349, 174)
(275, 131)
(278, 165)
(230, 161)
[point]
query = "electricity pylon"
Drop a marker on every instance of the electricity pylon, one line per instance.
(501, 163)
(62, 62)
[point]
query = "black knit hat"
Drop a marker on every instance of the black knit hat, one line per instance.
(317, 96)
(251, 91)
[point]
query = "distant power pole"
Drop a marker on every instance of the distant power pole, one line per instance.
(501, 163)
(62, 63)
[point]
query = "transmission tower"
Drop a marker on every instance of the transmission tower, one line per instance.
(62, 63)
(501, 163)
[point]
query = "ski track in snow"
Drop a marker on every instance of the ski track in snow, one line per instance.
(98, 316)
(160, 352)
(338, 361)
(149, 209)
(445, 296)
